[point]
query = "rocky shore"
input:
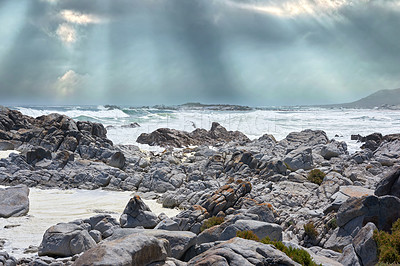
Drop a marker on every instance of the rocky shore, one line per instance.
(305, 190)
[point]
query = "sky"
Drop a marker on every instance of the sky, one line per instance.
(144, 52)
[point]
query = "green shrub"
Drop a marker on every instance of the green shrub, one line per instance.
(310, 230)
(389, 244)
(212, 221)
(316, 176)
(297, 254)
(247, 235)
(332, 224)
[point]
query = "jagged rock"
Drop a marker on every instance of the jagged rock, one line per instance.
(133, 249)
(14, 201)
(349, 257)
(388, 153)
(167, 224)
(333, 149)
(365, 245)
(166, 137)
(305, 138)
(6, 145)
(390, 184)
(137, 213)
(65, 239)
(225, 197)
(191, 219)
(179, 241)
(300, 158)
(7, 260)
(238, 251)
(37, 155)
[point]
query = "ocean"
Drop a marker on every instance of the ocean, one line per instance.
(338, 123)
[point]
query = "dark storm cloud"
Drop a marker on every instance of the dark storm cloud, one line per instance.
(170, 51)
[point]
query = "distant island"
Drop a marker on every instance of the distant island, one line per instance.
(387, 99)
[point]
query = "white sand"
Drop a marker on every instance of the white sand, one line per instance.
(49, 207)
(5, 154)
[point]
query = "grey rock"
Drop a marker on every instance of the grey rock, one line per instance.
(117, 160)
(14, 201)
(167, 224)
(65, 239)
(365, 245)
(333, 149)
(300, 158)
(179, 241)
(238, 251)
(6, 145)
(390, 184)
(349, 257)
(261, 229)
(133, 249)
(137, 213)
(96, 235)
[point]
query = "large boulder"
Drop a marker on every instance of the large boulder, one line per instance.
(333, 149)
(137, 213)
(133, 249)
(65, 239)
(365, 245)
(238, 251)
(14, 201)
(261, 229)
(179, 241)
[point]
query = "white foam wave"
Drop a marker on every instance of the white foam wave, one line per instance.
(74, 113)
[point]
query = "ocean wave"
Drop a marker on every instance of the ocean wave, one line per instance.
(76, 112)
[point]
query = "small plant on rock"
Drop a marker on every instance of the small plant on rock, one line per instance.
(212, 221)
(332, 224)
(310, 230)
(316, 176)
(247, 235)
(389, 244)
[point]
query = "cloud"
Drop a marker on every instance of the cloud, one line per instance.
(66, 33)
(69, 84)
(79, 18)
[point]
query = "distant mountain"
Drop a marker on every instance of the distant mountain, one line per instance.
(381, 99)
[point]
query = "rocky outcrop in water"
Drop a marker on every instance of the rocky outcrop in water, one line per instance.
(166, 137)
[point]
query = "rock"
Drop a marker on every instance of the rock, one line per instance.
(131, 125)
(390, 184)
(300, 158)
(7, 260)
(166, 137)
(37, 155)
(137, 213)
(65, 239)
(382, 211)
(167, 224)
(225, 197)
(349, 257)
(191, 219)
(6, 145)
(333, 149)
(179, 241)
(365, 245)
(305, 138)
(238, 251)
(261, 229)
(133, 249)
(117, 160)
(14, 201)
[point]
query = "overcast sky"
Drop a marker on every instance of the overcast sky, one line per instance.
(140, 52)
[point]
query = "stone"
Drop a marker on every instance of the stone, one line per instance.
(365, 245)
(167, 224)
(6, 145)
(133, 249)
(166, 137)
(261, 229)
(117, 160)
(14, 201)
(333, 149)
(390, 184)
(349, 257)
(64, 240)
(238, 251)
(300, 158)
(137, 213)
(37, 155)
(179, 241)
